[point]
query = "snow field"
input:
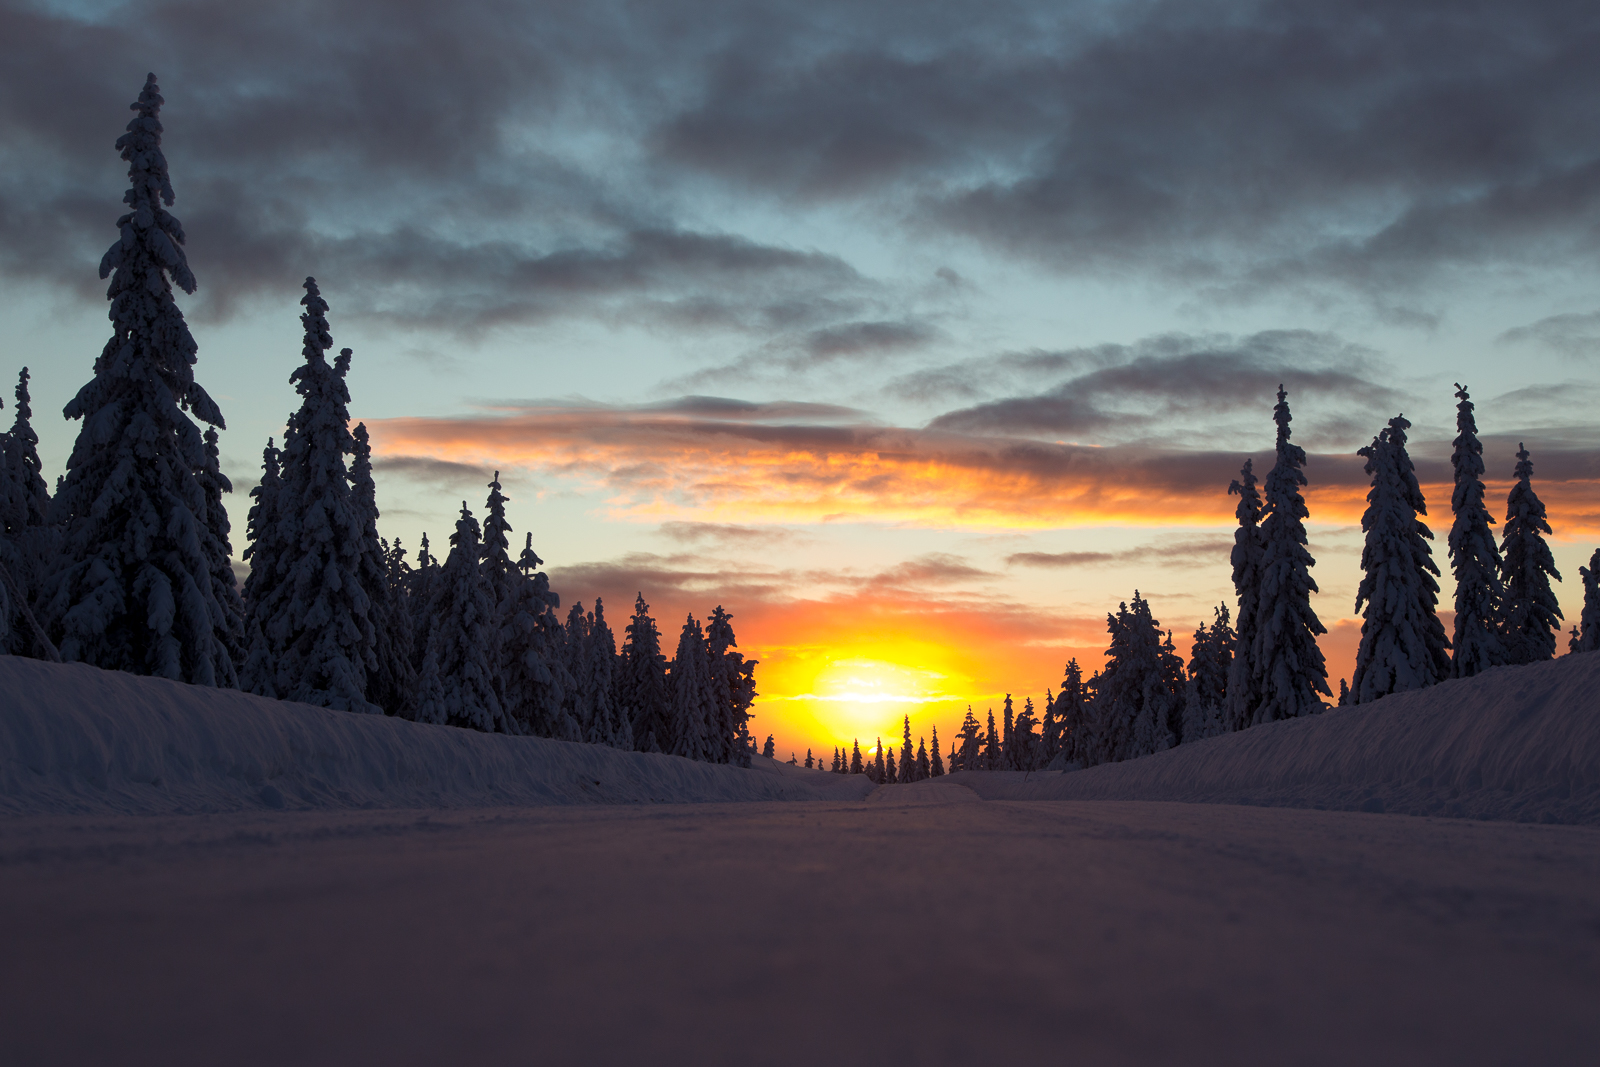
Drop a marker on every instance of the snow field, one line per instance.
(78, 740)
(1514, 743)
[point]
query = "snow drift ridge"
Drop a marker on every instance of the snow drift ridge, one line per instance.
(1514, 743)
(76, 739)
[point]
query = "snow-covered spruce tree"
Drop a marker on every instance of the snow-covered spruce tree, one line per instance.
(28, 539)
(575, 658)
(689, 690)
(855, 756)
(262, 553)
(1176, 682)
(608, 723)
(1588, 639)
(1243, 690)
(1530, 613)
(924, 770)
(24, 496)
(908, 762)
(642, 686)
(936, 766)
(1474, 556)
(458, 684)
(1049, 730)
(131, 588)
(424, 580)
(1288, 666)
(534, 678)
(1140, 702)
(733, 684)
(971, 743)
(501, 578)
(1403, 646)
(317, 616)
(399, 580)
(991, 757)
(1073, 709)
(1210, 658)
(391, 680)
(229, 627)
(26, 499)
(1025, 747)
(1006, 747)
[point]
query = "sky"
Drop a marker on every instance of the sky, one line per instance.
(918, 336)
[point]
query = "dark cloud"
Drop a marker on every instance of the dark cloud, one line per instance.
(1183, 552)
(720, 533)
(1256, 144)
(935, 568)
(422, 163)
(439, 472)
(499, 161)
(1572, 334)
(1157, 384)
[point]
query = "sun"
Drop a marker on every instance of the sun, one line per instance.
(853, 696)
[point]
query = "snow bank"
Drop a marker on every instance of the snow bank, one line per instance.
(1516, 743)
(75, 739)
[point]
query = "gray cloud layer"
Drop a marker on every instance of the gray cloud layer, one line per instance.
(492, 161)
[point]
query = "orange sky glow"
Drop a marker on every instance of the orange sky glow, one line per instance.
(840, 667)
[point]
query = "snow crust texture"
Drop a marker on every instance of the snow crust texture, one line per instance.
(75, 739)
(1513, 743)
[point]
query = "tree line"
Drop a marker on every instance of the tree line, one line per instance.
(1266, 666)
(127, 565)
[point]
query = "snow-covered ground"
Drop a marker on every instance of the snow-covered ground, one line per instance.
(1519, 743)
(501, 907)
(77, 739)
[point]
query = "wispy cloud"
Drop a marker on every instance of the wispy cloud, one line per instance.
(1179, 552)
(1576, 335)
(678, 463)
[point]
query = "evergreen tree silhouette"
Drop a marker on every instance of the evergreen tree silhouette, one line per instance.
(132, 588)
(1243, 691)
(1588, 632)
(1474, 556)
(1529, 608)
(1403, 646)
(1288, 666)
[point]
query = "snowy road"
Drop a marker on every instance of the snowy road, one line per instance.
(881, 932)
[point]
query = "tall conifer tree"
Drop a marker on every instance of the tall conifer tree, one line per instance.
(733, 687)
(1243, 689)
(1288, 665)
(908, 762)
(28, 539)
(1474, 556)
(229, 626)
(1403, 646)
(534, 677)
(1588, 637)
(1530, 613)
(317, 616)
(1071, 705)
(458, 684)
(936, 767)
(391, 681)
(608, 724)
(643, 684)
(689, 690)
(132, 589)
(971, 735)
